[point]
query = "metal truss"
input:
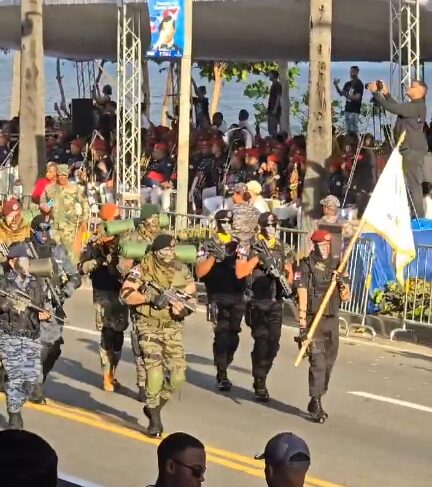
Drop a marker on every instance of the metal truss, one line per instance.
(404, 45)
(129, 80)
(86, 78)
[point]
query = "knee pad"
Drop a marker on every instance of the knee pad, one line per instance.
(118, 340)
(177, 377)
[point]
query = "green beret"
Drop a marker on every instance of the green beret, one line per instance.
(148, 210)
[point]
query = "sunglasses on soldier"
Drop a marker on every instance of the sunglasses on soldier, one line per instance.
(197, 470)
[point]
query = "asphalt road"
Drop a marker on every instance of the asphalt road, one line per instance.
(378, 434)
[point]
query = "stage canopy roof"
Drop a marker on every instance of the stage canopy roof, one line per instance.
(223, 29)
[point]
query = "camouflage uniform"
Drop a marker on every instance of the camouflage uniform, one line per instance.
(111, 317)
(159, 334)
(245, 221)
(20, 347)
(145, 234)
(69, 210)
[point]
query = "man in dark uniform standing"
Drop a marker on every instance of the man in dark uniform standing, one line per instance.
(312, 279)
(216, 266)
(411, 118)
(266, 305)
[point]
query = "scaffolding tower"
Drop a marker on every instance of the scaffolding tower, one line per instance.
(404, 45)
(129, 80)
(86, 78)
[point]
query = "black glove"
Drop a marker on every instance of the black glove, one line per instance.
(159, 301)
(182, 315)
(302, 337)
(217, 251)
(266, 260)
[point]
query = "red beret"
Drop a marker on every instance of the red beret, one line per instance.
(99, 144)
(240, 153)
(161, 146)
(273, 158)
(9, 206)
(321, 236)
(253, 152)
(77, 143)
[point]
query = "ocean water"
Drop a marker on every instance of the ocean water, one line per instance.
(232, 99)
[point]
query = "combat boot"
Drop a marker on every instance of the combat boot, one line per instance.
(38, 396)
(108, 386)
(111, 374)
(316, 410)
(155, 427)
(223, 383)
(260, 388)
(15, 421)
(141, 394)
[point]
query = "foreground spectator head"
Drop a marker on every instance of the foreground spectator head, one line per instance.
(217, 119)
(287, 460)
(51, 171)
(330, 205)
(181, 461)
(417, 90)
(243, 115)
(26, 460)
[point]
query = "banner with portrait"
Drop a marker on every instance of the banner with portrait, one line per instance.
(167, 28)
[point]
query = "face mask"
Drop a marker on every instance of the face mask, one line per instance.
(166, 255)
(23, 266)
(269, 232)
(41, 236)
(224, 227)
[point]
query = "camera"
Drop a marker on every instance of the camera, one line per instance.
(379, 85)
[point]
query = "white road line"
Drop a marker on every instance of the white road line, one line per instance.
(390, 400)
(77, 481)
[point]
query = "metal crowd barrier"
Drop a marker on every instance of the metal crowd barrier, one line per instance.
(418, 292)
(359, 270)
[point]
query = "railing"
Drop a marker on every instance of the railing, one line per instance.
(418, 292)
(359, 271)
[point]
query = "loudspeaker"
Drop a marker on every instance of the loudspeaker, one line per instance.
(83, 122)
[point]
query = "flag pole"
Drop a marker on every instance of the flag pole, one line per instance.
(316, 320)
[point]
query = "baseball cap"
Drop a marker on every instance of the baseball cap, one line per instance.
(148, 210)
(282, 447)
(330, 201)
(254, 187)
(224, 215)
(17, 251)
(10, 206)
(39, 220)
(240, 188)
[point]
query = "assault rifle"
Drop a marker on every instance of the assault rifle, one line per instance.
(173, 296)
(271, 268)
(49, 286)
(215, 248)
(21, 301)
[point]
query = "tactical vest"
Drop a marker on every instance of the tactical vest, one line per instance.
(320, 277)
(178, 282)
(264, 286)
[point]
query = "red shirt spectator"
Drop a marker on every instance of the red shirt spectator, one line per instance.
(41, 184)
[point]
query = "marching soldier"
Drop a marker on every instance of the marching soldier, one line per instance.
(245, 215)
(159, 323)
(146, 231)
(270, 268)
(65, 281)
(99, 259)
(68, 207)
(20, 347)
(312, 279)
(216, 266)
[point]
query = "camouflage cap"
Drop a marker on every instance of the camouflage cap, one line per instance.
(148, 210)
(62, 169)
(330, 201)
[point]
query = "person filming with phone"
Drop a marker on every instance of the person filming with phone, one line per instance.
(411, 117)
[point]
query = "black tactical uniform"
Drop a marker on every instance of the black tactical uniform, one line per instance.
(315, 274)
(64, 282)
(266, 301)
(225, 294)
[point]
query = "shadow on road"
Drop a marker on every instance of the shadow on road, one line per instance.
(238, 394)
(412, 355)
(200, 360)
(64, 393)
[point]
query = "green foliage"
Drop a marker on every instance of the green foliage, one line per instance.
(392, 299)
(232, 71)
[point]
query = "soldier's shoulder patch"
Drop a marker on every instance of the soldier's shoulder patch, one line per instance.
(297, 276)
(201, 251)
(242, 250)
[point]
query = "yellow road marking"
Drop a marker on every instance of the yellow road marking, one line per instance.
(224, 458)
